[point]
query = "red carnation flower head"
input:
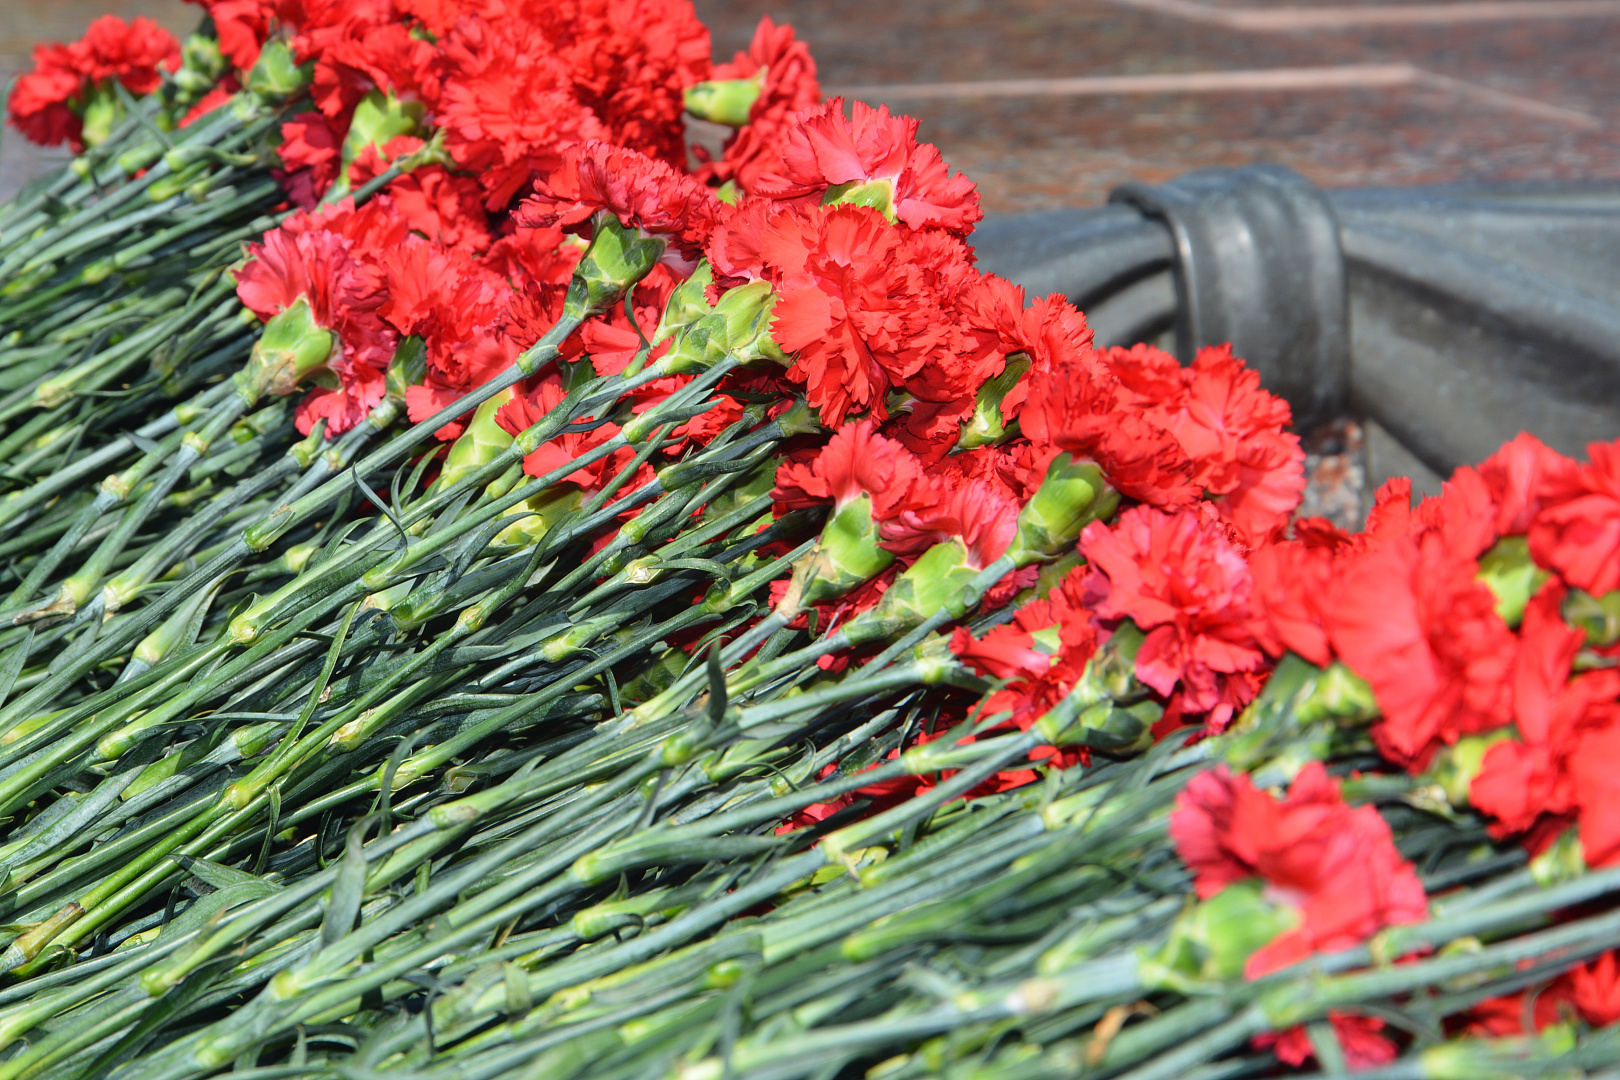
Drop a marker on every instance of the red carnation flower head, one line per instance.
(874, 159)
(1595, 987)
(371, 52)
(1409, 616)
(311, 151)
(1083, 406)
(1518, 475)
(1041, 654)
(937, 509)
(1232, 431)
(1051, 334)
(437, 16)
(1334, 865)
(241, 26)
(643, 193)
(1184, 581)
(784, 74)
(858, 304)
(1292, 582)
(1360, 1038)
(327, 262)
(856, 461)
(70, 85)
(461, 309)
(507, 105)
(630, 62)
(1558, 768)
(1577, 531)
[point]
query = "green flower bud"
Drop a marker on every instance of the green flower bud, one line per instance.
(688, 302)
(201, 65)
(1339, 695)
(408, 368)
(293, 347)
(1092, 707)
(847, 555)
(277, 75)
(101, 110)
(747, 314)
(538, 515)
(941, 579)
(1071, 495)
(878, 194)
(482, 442)
(986, 427)
(378, 118)
(1213, 939)
(617, 258)
(1598, 617)
(725, 101)
(1564, 860)
(1508, 571)
(1474, 1059)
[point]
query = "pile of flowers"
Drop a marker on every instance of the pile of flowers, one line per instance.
(567, 604)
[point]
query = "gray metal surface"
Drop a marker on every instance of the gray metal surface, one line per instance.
(1453, 317)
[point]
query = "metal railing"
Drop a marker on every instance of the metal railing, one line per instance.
(1454, 317)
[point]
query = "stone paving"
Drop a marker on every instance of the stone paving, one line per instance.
(1054, 149)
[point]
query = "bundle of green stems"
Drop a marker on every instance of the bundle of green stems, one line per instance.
(314, 769)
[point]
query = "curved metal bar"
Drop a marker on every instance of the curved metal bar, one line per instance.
(1455, 317)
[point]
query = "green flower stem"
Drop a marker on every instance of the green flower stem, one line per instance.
(74, 187)
(111, 493)
(519, 580)
(38, 249)
(17, 264)
(299, 994)
(82, 585)
(220, 204)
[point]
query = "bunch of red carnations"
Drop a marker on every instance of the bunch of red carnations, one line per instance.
(565, 604)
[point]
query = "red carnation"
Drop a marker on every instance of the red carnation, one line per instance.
(1040, 654)
(1360, 1039)
(241, 26)
(370, 51)
(938, 509)
(1232, 431)
(1410, 618)
(788, 85)
(311, 150)
(1291, 585)
(1517, 475)
(1596, 990)
(527, 409)
(46, 103)
(856, 461)
(641, 192)
(329, 260)
(1559, 767)
(860, 304)
(630, 62)
(507, 105)
(1577, 531)
(825, 149)
(460, 309)
(1183, 581)
(1336, 865)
